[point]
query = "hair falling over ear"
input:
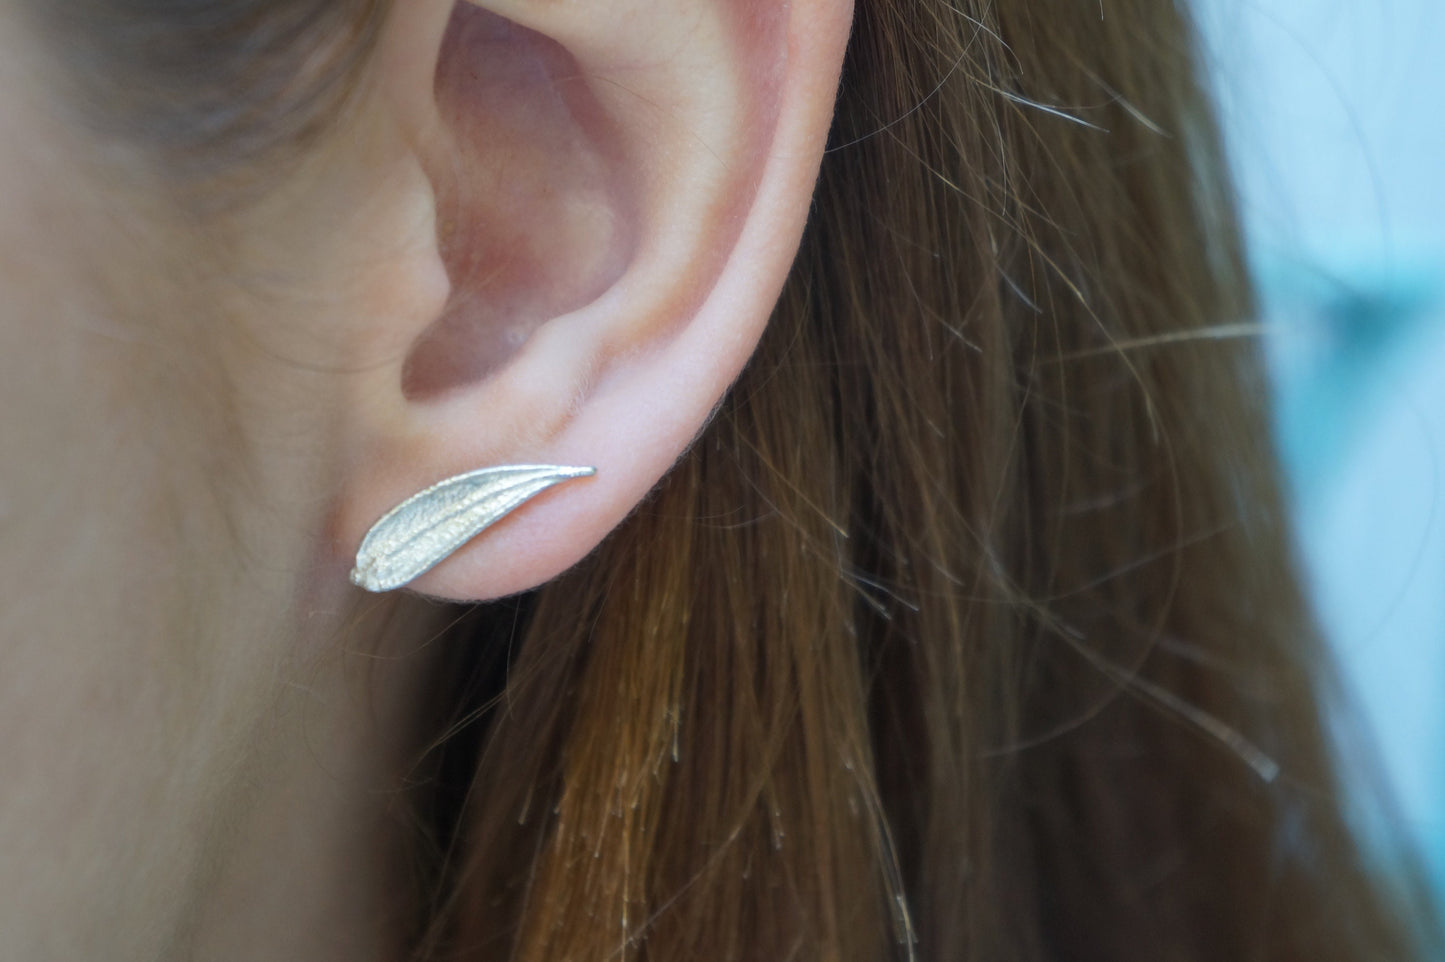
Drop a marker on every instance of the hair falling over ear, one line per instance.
(968, 629)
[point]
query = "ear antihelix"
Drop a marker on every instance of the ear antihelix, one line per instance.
(427, 528)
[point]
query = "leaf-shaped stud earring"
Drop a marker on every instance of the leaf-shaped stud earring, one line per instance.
(426, 528)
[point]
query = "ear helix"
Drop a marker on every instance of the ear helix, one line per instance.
(428, 527)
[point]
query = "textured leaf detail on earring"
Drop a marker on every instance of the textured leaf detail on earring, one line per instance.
(426, 528)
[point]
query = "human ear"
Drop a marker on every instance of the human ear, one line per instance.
(613, 193)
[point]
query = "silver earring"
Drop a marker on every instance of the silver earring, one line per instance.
(426, 528)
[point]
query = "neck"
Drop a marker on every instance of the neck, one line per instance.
(213, 789)
(312, 861)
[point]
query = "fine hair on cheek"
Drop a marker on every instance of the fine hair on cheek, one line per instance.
(183, 124)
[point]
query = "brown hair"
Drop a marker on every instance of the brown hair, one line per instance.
(968, 629)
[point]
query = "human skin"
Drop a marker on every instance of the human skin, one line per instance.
(189, 747)
(204, 725)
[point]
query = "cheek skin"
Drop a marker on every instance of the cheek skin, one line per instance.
(89, 588)
(175, 402)
(71, 443)
(170, 401)
(143, 607)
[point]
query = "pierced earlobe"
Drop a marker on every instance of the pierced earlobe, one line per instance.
(428, 527)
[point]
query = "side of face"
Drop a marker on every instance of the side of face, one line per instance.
(538, 233)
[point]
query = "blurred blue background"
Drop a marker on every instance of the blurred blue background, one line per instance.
(1334, 111)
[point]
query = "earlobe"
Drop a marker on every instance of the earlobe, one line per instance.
(619, 191)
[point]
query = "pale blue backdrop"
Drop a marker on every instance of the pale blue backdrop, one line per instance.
(1335, 113)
